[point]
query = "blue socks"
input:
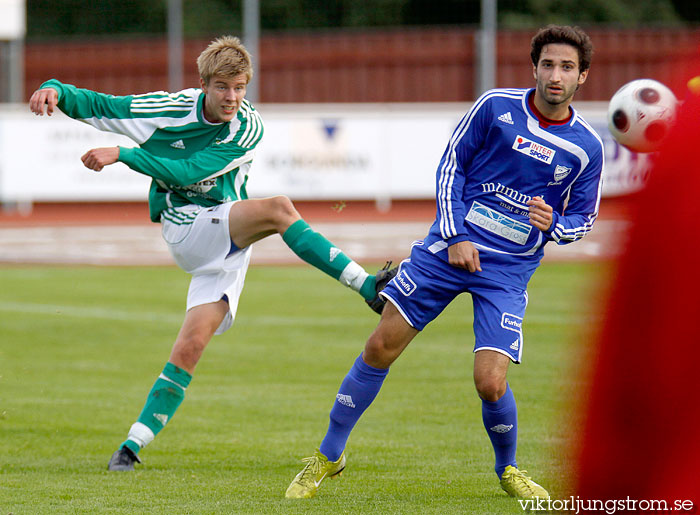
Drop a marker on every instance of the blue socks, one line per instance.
(356, 393)
(501, 423)
(361, 386)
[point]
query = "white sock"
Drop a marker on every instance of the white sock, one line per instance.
(353, 276)
(141, 434)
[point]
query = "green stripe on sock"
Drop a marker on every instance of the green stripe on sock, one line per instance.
(177, 375)
(294, 230)
(132, 445)
(369, 288)
(315, 249)
(165, 397)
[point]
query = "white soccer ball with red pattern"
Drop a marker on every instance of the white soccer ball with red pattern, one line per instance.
(640, 114)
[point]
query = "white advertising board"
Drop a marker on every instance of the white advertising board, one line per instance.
(368, 151)
(324, 152)
(351, 153)
(40, 161)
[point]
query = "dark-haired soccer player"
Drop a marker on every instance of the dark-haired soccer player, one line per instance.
(198, 146)
(521, 169)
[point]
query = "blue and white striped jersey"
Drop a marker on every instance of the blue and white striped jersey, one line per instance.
(497, 159)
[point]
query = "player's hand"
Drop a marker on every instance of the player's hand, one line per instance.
(540, 213)
(97, 158)
(464, 255)
(43, 97)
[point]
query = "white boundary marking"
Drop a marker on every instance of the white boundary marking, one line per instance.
(363, 241)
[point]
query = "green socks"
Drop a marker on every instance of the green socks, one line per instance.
(162, 402)
(169, 389)
(316, 250)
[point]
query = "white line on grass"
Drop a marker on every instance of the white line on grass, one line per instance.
(140, 316)
(87, 312)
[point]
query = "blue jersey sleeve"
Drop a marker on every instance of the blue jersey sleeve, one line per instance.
(581, 208)
(451, 177)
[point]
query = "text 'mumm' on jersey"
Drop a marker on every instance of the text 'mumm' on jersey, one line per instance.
(500, 157)
(191, 160)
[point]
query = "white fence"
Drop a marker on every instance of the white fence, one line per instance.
(320, 151)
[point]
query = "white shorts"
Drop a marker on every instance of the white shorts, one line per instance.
(199, 241)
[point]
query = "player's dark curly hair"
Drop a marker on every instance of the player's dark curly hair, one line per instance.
(568, 35)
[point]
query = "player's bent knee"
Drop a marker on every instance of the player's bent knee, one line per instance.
(490, 387)
(282, 210)
(380, 352)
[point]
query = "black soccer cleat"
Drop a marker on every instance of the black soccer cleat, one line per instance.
(123, 460)
(382, 277)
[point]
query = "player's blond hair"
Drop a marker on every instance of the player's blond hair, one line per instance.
(225, 56)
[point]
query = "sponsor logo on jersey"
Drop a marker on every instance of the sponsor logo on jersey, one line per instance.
(202, 186)
(501, 428)
(498, 223)
(505, 191)
(511, 322)
(533, 149)
(345, 400)
(405, 283)
(506, 118)
(178, 144)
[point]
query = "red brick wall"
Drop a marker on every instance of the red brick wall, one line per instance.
(407, 65)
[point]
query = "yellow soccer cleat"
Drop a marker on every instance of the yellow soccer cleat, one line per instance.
(317, 468)
(517, 484)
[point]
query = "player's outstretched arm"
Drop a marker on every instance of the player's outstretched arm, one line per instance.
(43, 97)
(97, 158)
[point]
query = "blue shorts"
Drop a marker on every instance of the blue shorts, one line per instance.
(426, 284)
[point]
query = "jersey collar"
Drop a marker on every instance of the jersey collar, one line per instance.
(200, 110)
(544, 122)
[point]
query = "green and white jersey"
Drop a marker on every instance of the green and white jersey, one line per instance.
(191, 160)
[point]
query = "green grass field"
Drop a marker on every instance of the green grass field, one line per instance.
(80, 348)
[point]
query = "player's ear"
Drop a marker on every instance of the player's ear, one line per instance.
(534, 72)
(203, 84)
(582, 77)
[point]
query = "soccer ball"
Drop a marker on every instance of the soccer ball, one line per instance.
(640, 114)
